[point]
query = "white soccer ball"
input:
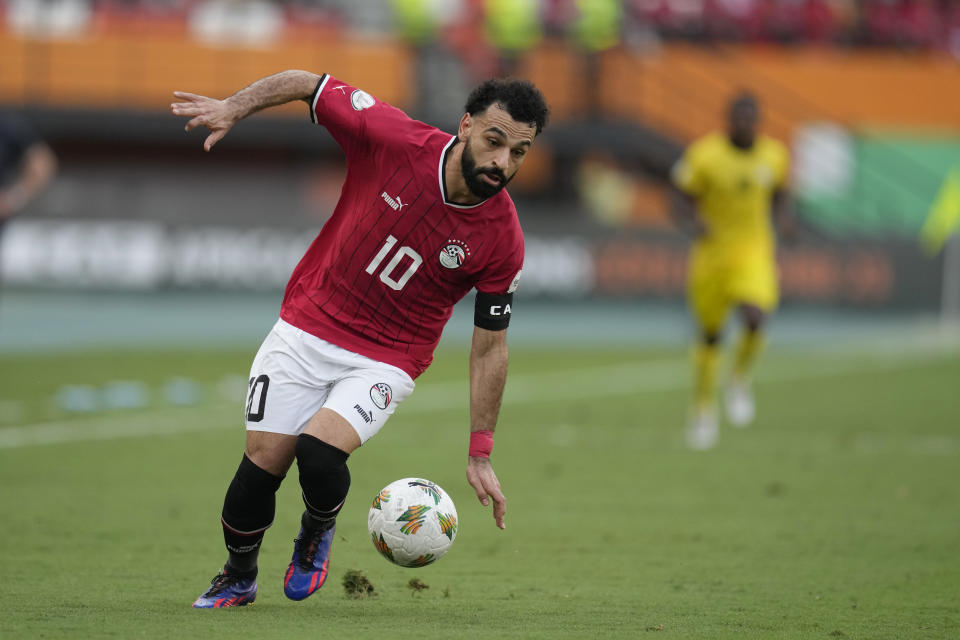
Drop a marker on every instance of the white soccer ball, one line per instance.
(412, 522)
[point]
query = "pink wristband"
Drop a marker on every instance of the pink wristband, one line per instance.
(481, 444)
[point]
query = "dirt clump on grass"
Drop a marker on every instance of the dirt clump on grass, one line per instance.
(356, 585)
(417, 585)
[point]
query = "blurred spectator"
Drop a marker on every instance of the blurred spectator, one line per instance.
(596, 29)
(597, 24)
(26, 166)
(555, 15)
(917, 24)
(441, 77)
(48, 18)
(147, 7)
(251, 22)
(513, 28)
(905, 23)
(368, 17)
(416, 21)
(735, 19)
(952, 39)
(673, 18)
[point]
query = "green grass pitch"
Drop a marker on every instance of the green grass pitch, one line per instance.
(834, 516)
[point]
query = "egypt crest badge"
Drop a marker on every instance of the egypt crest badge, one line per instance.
(454, 254)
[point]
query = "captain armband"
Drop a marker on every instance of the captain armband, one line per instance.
(492, 312)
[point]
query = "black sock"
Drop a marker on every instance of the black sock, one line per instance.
(324, 481)
(248, 510)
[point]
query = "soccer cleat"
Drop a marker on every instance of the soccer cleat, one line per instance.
(703, 430)
(308, 566)
(227, 591)
(739, 404)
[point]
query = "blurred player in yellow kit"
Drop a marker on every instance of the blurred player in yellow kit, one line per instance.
(730, 190)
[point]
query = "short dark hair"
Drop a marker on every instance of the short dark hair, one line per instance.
(744, 99)
(520, 98)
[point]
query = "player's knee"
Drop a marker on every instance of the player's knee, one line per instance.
(320, 462)
(753, 318)
(270, 451)
(710, 338)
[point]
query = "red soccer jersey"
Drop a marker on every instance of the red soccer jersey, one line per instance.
(382, 276)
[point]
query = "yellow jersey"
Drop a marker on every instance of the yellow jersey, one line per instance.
(733, 189)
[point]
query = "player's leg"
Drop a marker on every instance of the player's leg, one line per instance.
(278, 406)
(740, 404)
(710, 309)
(248, 510)
(756, 292)
(703, 427)
(322, 451)
(751, 341)
(250, 503)
(706, 359)
(357, 407)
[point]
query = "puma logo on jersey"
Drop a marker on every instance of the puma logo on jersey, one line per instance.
(394, 203)
(341, 89)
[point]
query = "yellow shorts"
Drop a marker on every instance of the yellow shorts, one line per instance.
(714, 288)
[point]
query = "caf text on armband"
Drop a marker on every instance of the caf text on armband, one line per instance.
(492, 311)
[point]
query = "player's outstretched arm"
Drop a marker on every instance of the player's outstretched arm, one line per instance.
(488, 375)
(39, 165)
(220, 115)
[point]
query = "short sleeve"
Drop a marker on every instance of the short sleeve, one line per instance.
(354, 118)
(689, 174)
(502, 276)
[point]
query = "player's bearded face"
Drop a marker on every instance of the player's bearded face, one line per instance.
(473, 175)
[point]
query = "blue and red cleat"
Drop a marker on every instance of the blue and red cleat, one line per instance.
(227, 591)
(308, 566)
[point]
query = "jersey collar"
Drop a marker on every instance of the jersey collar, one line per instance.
(443, 182)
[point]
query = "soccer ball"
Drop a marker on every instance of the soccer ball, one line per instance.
(412, 522)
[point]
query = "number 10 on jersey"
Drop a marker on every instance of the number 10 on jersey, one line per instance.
(386, 275)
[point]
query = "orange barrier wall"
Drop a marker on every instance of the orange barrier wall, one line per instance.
(680, 89)
(683, 88)
(140, 70)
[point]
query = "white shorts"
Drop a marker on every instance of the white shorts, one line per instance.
(295, 374)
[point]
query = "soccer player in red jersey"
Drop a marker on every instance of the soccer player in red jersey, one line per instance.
(422, 219)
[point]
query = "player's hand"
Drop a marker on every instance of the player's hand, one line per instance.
(215, 115)
(484, 481)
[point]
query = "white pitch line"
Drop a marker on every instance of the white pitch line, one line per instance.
(115, 426)
(650, 376)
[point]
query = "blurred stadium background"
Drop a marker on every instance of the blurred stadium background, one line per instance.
(864, 92)
(138, 286)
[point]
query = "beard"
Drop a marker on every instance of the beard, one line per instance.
(471, 175)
